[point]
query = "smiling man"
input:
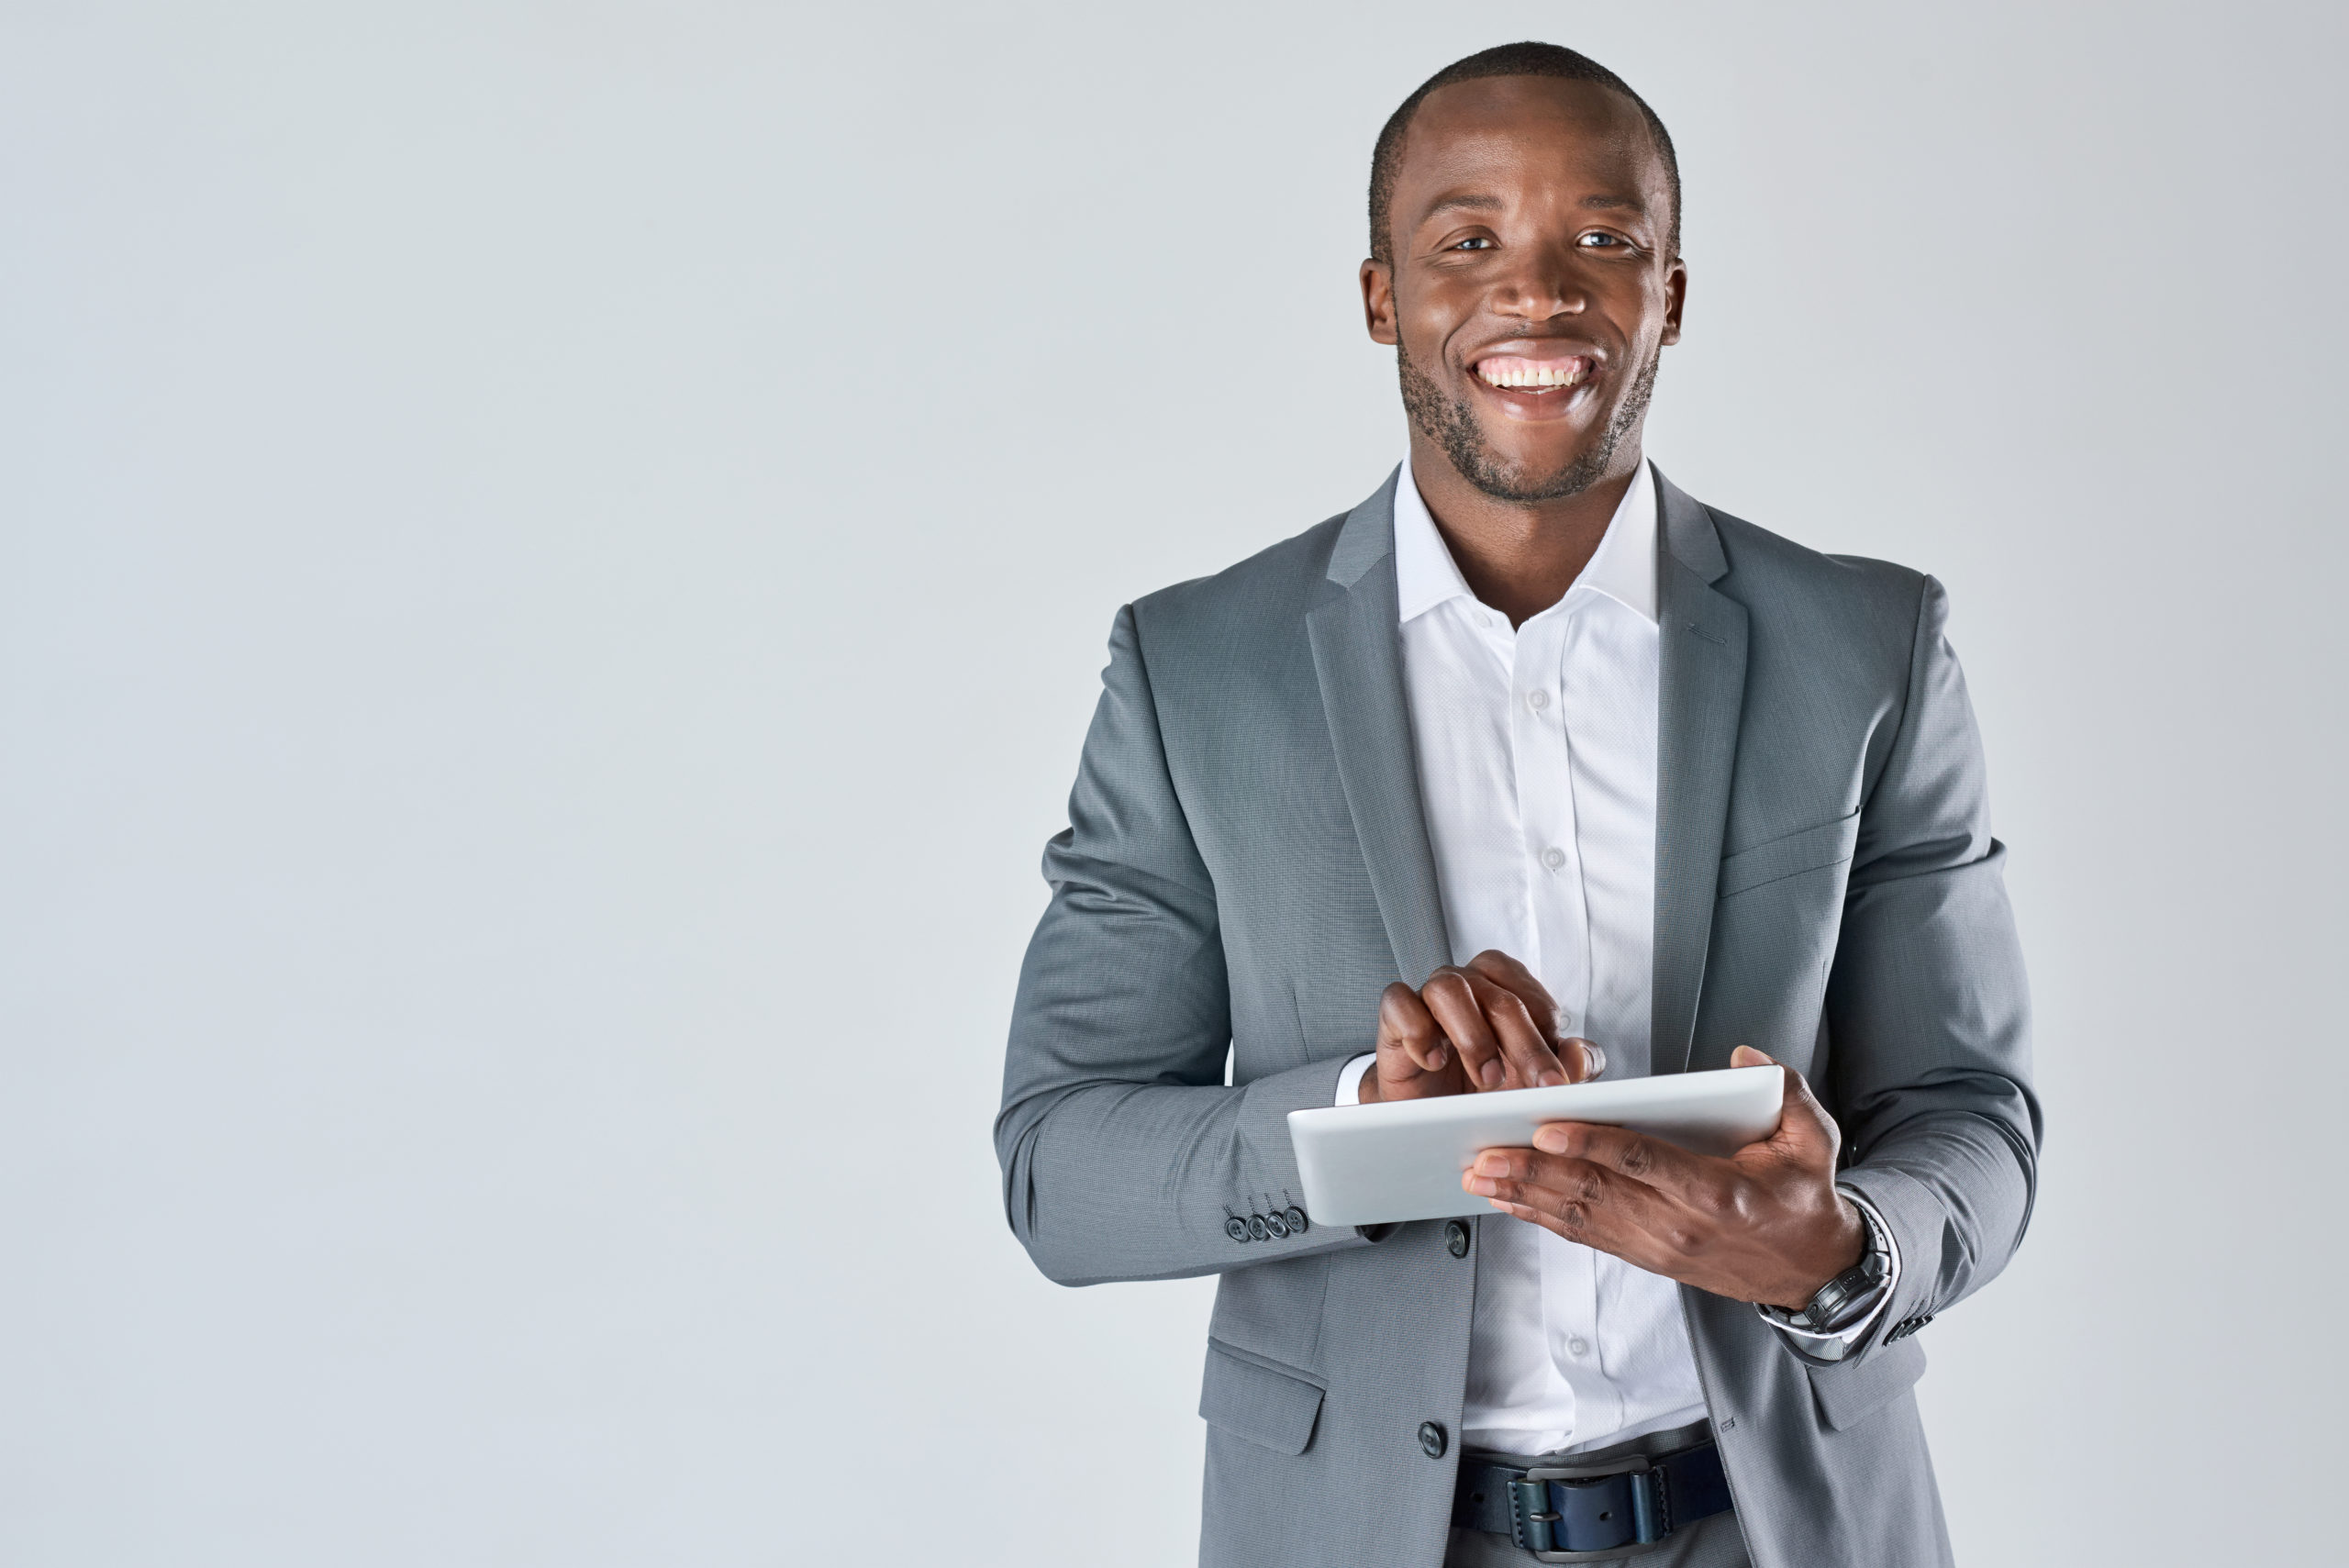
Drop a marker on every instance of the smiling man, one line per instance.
(1527, 770)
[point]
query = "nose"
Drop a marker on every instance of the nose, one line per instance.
(1540, 287)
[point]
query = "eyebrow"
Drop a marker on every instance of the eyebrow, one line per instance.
(1462, 201)
(1471, 201)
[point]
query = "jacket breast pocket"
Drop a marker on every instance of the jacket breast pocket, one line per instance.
(1850, 1391)
(1790, 854)
(1271, 1407)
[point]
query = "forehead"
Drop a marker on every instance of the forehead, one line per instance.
(1527, 137)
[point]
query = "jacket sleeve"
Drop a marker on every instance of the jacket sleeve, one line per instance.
(1124, 1153)
(1928, 1015)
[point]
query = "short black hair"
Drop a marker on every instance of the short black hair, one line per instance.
(1527, 59)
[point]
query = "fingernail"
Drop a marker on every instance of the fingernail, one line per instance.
(1493, 1074)
(1553, 1077)
(1437, 1057)
(1550, 1140)
(1491, 1164)
(1483, 1187)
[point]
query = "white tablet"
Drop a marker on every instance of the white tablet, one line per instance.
(1402, 1160)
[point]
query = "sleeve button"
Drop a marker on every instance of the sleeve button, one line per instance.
(1433, 1439)
(1236, 1227)
(1456, 1237)
(1296, 1217)
(1257, 1229)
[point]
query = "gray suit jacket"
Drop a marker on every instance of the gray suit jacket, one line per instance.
(1247, 866)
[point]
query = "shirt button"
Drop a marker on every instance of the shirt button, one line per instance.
(1579, 1347)
(1537, 699)
(1553, 857)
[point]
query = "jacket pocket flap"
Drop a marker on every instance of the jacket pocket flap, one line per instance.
(1251, 1400)
(1850, 1391)
(1829, 843)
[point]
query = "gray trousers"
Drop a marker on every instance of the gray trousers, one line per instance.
(1714, 1543)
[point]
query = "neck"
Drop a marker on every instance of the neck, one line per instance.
(1519, 557)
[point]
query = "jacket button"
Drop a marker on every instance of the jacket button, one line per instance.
(1274, 1223)
(1236, 1227)
(1296, 1218)
(1456, 1237)
(1432, 1441)
(1257, 1229)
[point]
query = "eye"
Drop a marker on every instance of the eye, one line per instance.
(1597, 239)
(1476, 242)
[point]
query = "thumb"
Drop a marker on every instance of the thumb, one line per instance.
(1806, 1134)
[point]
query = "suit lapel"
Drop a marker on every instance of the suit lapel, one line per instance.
(1701, 692)
(1358, 659)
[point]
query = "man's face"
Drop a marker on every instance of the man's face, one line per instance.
(1531, 286)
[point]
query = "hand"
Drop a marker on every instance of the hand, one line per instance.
(1490, 1025)
(1766, 1225)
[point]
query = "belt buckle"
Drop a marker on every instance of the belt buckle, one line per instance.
(1534, 1523)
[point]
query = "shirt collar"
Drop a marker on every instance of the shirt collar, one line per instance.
(1622, 568)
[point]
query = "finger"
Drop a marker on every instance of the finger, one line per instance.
(1502, 970)
(1530, 1058)
(1807, 1135)
(1409, 1040)
(1453, 999)
(1593, 1228)
(1697, 1181)
(1587, 1203)
(1582, 1058)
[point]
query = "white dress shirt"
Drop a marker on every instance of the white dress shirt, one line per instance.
(1537, 767)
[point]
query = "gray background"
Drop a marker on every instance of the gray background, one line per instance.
(555, 564)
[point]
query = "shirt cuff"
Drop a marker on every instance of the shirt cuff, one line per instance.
(1834, 1344)
(1350, 1081)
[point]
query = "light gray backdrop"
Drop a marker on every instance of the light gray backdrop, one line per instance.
(555, 562)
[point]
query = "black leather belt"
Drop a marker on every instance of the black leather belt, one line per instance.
(1579, 1513)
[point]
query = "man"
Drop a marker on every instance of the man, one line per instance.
(1531, 768)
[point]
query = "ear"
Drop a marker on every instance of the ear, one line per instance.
(1378, 301)
(1675, 296)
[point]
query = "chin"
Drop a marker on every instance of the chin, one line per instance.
(1546, 474)
(1544, 465)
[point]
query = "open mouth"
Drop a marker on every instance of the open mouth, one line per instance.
(1541, 378)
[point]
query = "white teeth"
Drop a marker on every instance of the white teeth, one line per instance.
(1516, 372)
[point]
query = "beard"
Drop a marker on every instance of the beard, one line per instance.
(1452, 425)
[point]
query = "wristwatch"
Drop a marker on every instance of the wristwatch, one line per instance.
(1836, 1305)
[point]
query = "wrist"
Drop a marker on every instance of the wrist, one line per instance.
(1844, 1248)
(1840, 1296)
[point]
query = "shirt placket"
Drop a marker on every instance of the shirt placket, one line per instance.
(1560, 918)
